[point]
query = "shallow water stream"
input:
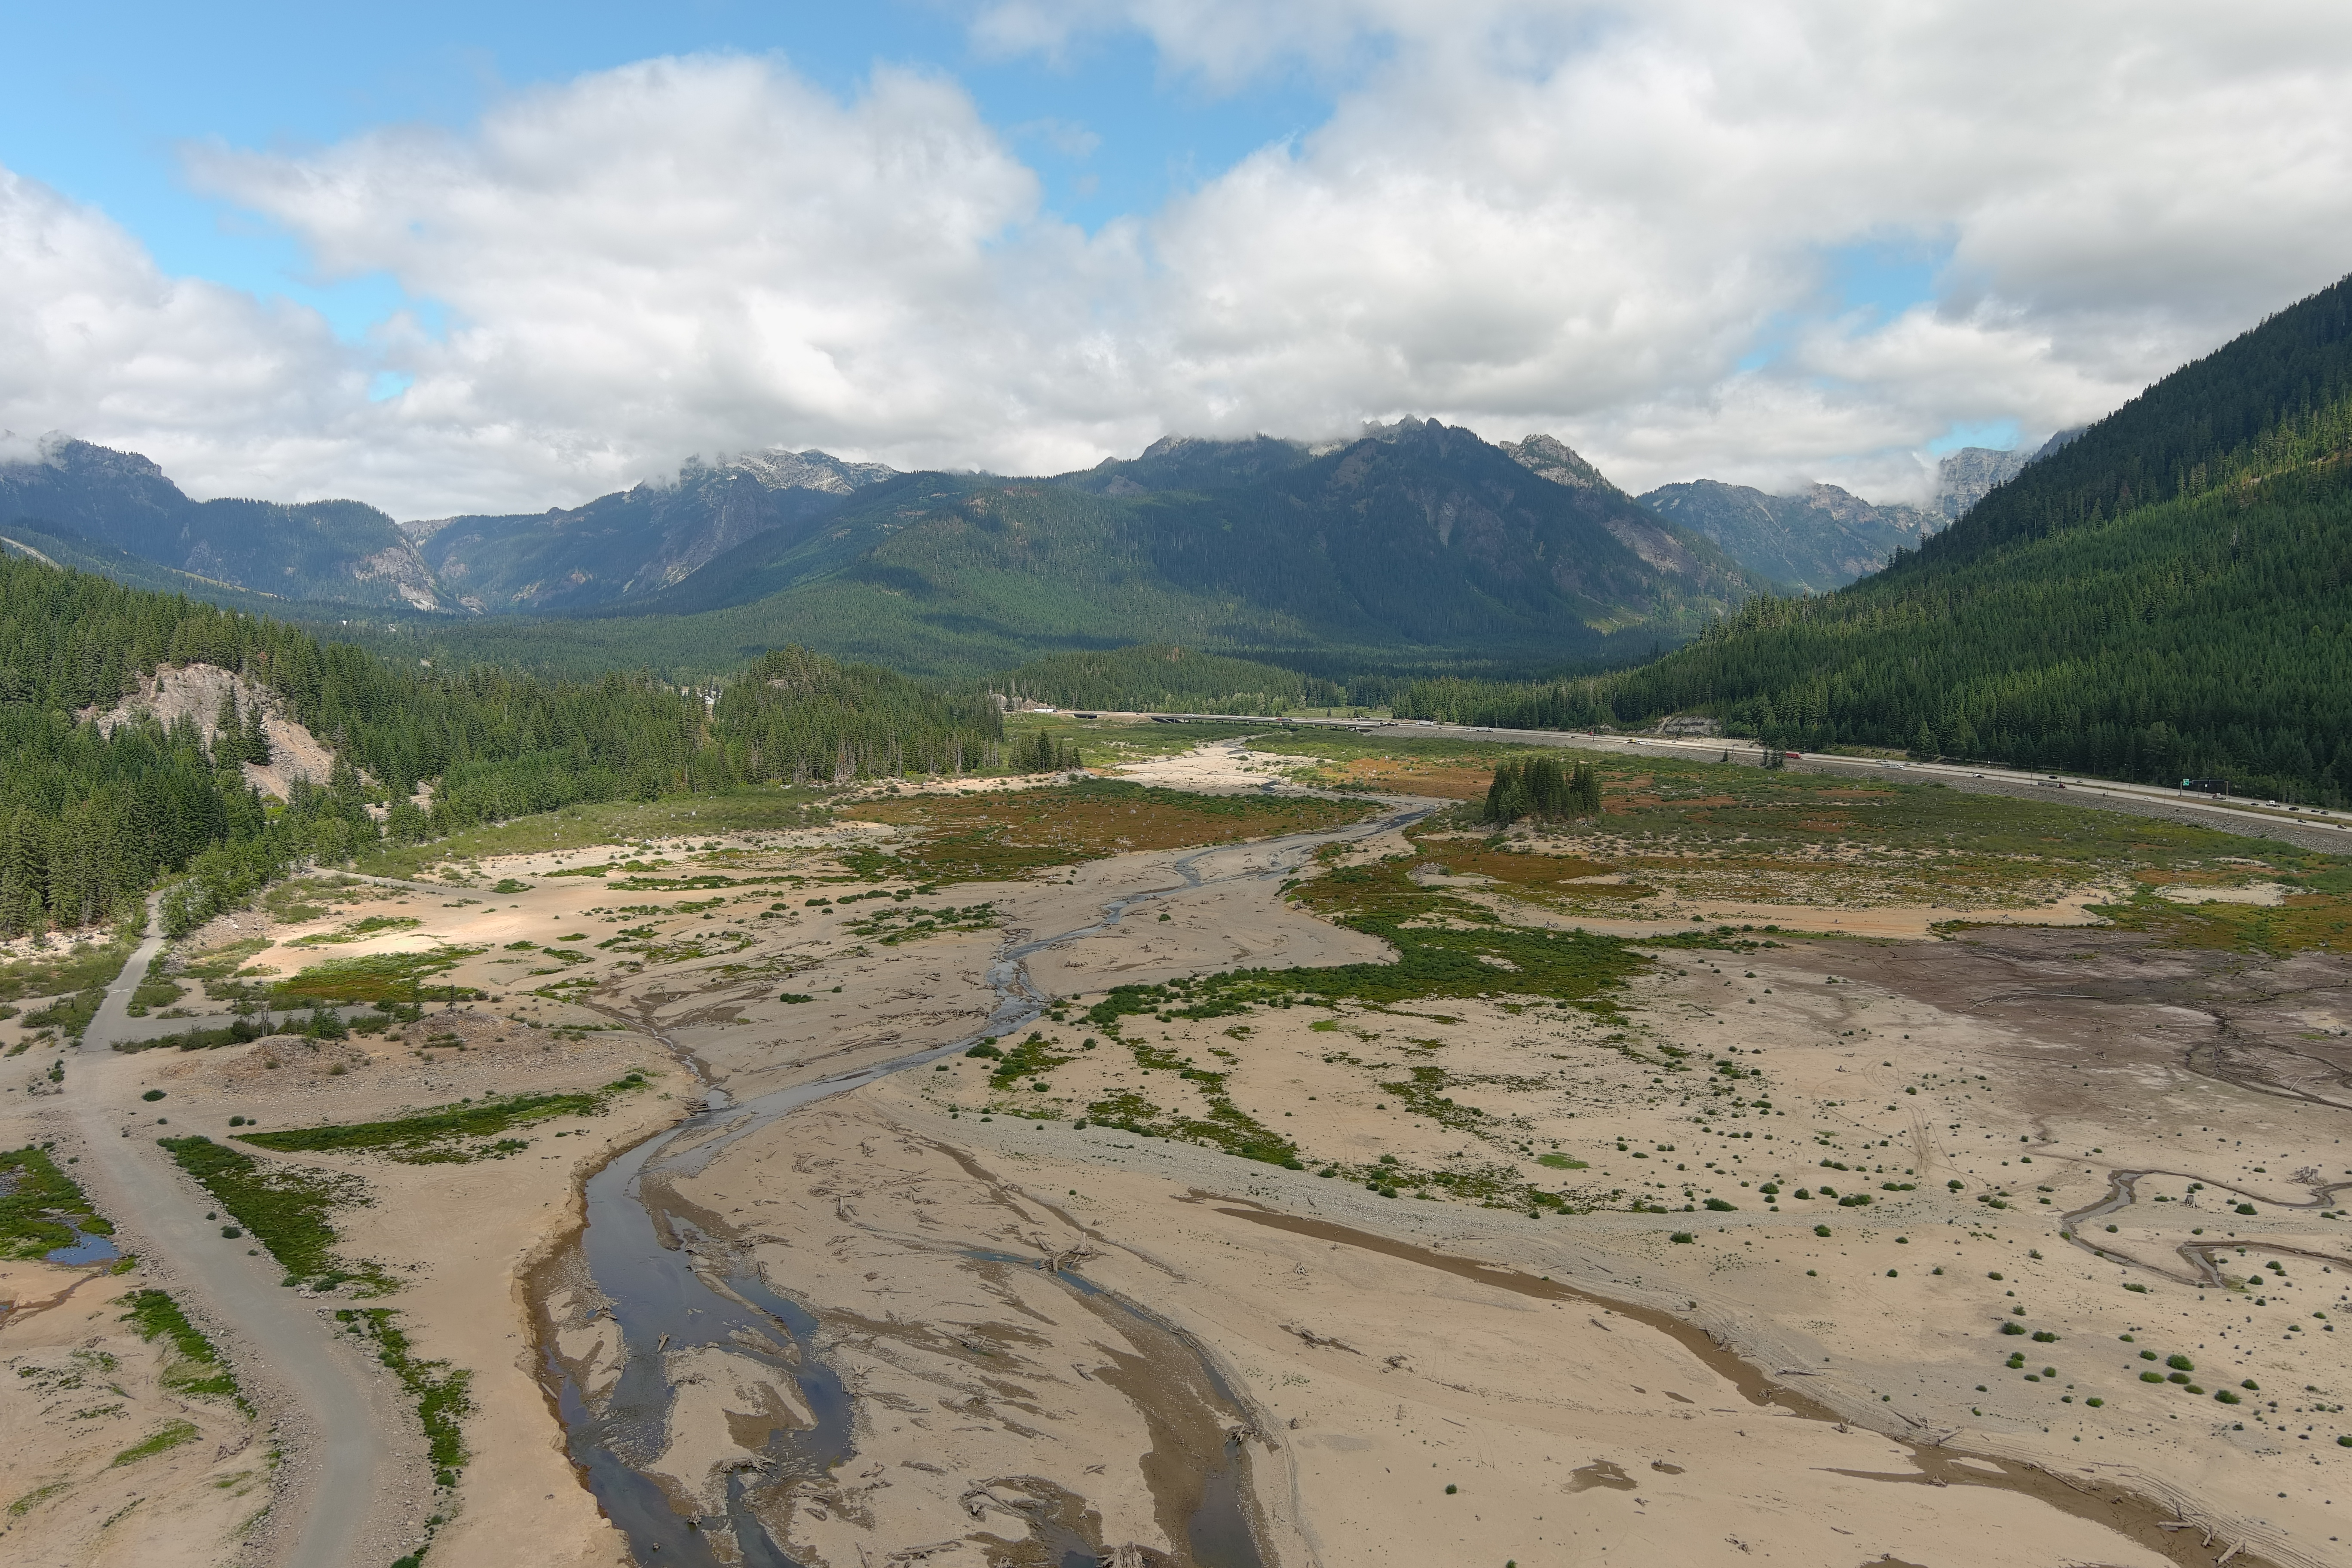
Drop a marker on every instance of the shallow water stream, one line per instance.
(666, 1288)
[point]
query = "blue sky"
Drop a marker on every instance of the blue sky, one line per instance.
(1108, 128)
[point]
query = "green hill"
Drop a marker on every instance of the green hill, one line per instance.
(1420, 545)
(2164, 596)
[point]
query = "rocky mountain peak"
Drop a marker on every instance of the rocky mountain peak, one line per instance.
(1555, 459)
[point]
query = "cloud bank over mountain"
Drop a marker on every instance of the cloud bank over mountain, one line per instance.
(1639, 231)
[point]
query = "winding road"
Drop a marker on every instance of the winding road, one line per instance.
(342, 1458)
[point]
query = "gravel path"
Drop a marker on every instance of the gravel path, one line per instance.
(332, 1480)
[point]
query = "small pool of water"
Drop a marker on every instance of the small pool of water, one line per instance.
(85, 1249)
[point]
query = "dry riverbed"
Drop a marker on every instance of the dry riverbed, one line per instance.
(1712, 1255)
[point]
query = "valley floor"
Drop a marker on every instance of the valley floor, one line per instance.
(1997, 1225)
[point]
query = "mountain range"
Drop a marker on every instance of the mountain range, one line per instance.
(1822, 537)
(1414, 543)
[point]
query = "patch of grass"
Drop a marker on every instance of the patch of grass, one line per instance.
(222, 963)
(35, 1498)
(1420, 1097)
(357, 930)
(1004, 834)
(156, 988)
(375, 977)
(70, 1015)
(84, 966)
(443, 1402)
(286, 1210)
(1226, 1127)
(2302, 923)
(1445, 947)
(164, 1438)
(41, 1207)
(447, 1134)
(197, 1369)
(883, 923)
(1034, 1056)
(1561, 1162)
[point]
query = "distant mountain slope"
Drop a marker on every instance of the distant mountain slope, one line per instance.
(1191, 463)
(2164, 595)
(634, 542)
(340, 551)
(1821, 540)
(1417, 543)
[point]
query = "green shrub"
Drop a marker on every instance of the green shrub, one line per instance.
(430, 1137)
(286, 1210)
(2013, 1328)
(196, 1369)
(152, 1094)
(1682, 1236)
(1719, 1206)
(1821, 1230)
(2180, 1364)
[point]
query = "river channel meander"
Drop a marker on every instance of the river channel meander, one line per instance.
(667, 1287)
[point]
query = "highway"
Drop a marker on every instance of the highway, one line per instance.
(2308, 827)
(336, 1456)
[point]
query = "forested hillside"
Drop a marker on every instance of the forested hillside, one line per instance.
(2165, 595)
(90, 816)
(1166, 678)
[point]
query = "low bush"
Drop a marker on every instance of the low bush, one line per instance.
(196, 1369)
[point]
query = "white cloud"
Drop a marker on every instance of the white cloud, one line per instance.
(219, 388)
(1520, 217)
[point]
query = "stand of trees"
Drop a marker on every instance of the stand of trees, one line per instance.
(1541, 787)
(798, 717)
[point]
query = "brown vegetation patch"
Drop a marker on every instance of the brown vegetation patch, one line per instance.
(988, 837)
(1445, 779)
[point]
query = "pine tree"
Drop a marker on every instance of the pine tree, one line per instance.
(256, 739)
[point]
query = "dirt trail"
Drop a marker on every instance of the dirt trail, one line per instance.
(341, 1464)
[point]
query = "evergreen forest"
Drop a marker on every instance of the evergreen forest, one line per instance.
(92, 814)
